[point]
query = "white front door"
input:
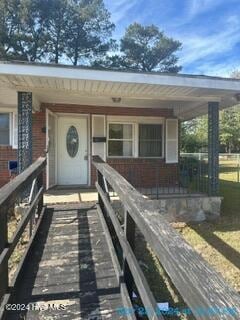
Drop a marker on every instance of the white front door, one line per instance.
(72, 151)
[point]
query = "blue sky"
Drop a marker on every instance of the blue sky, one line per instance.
(208, 29)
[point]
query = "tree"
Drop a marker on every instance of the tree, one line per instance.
(194, 135)
(33, 35)
(23, 30)
(145, 48)
(58, 18)
(10, 12)
(88, 31)
(230, 130)
(230, 126)
(54, 30)
(236, 74)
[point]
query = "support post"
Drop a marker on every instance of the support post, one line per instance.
(213, 148)
(24, 130)
(3, 245)
(129, 230)
(101, 184)
(40, 203)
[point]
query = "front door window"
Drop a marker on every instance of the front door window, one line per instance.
(72, 141)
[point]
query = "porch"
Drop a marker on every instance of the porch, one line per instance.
(131, 120)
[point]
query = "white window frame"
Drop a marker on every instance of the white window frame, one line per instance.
(132, 140)
(12, 125)
(135, 121)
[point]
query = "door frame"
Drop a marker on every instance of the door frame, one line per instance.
(49, 112)
(69, 115)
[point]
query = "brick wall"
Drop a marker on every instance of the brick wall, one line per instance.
(146, 173)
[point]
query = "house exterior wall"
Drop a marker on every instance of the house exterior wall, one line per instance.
(6, 153)
(142, 172)
(39, 144)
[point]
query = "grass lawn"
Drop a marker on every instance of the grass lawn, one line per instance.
(219, 242)
(229, 171)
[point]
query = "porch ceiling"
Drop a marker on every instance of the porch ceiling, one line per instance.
(187, 95)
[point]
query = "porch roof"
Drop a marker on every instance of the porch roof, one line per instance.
(188, 95)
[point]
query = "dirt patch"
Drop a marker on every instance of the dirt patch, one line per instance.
(14, 218)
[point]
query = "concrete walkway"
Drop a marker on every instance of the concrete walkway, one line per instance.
(68, 195)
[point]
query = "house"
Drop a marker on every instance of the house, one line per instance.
(130, 119)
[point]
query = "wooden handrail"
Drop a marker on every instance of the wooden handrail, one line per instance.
(12, 189)
(200, 286)
(9, 195)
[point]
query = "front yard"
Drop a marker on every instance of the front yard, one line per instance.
(217, 242)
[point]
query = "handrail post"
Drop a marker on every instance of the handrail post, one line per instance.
(3, 244)
(129, 230)
(40, 184)
(102, 185)
(32, 219)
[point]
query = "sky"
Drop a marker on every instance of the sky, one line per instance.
(209, 30)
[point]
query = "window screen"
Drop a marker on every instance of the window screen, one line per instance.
(150, 140)
(4, 129)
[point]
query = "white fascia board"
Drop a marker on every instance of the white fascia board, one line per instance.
(115, 76)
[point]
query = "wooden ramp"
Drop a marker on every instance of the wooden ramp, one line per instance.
(69, 272)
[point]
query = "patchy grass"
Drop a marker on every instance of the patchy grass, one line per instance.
(13, 221)
(229, 170)
(218, 242)
(158, 280)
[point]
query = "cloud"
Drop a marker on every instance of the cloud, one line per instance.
(212, 68)
(197, 7)
(120, 9)
(198, 47)
(208, 29)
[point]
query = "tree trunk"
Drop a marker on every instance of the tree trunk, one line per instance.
(56, 59)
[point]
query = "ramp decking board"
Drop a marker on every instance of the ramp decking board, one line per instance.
(70, 265)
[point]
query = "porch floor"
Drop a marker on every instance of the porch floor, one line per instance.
(60, 195)
(69, 195)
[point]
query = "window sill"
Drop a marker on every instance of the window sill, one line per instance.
(146, 158)
(5, 146)
(8, 146)
(120, 157)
